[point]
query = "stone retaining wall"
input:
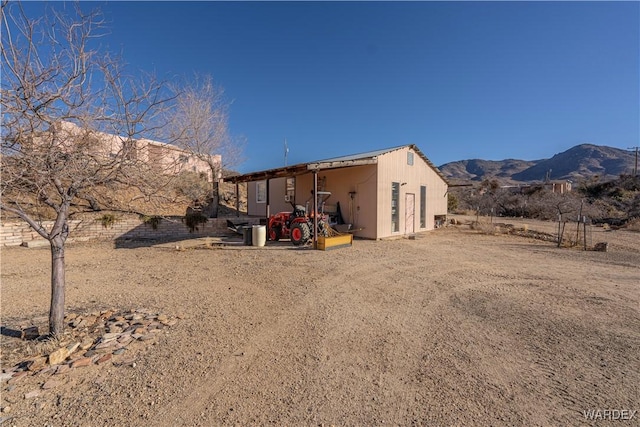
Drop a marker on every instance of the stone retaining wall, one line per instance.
(18, 232)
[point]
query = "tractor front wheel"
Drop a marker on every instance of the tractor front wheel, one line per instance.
(275, 234)
(300, 234)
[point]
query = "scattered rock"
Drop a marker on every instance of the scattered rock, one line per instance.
(106, 344)
(601, 247)
(115, 332)
(30, 333)
(6, 376)
(37, 363)
(86, 343)
(32, 394)
(105, 358)
(58, 356)
(90, 353)
(61, 369)
(82, 362)
(17, 377)
(73, 347)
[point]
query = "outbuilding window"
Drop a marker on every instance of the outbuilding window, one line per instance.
(261, 191)
(410, 158)
(395, 204)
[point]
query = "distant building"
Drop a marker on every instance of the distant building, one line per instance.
(558, 187)
(168, 158)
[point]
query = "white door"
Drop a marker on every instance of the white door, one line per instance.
(410, 213)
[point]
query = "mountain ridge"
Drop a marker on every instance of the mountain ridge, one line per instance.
(583, 161)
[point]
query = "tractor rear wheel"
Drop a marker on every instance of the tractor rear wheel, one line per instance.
(300, 234)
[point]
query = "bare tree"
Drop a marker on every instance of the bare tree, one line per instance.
(71, 127)
(199, 124)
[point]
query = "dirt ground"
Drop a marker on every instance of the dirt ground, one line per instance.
(455, 327)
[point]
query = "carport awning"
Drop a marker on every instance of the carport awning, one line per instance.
(300, 169)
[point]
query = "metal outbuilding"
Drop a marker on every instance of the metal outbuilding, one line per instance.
(384, 193)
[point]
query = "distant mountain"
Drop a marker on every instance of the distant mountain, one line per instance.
(577, 163)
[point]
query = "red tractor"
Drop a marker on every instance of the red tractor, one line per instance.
(296, 225)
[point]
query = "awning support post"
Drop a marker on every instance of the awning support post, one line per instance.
(315, 209)
(237, 199)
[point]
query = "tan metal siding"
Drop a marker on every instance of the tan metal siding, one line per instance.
(359, 179)
(393, 167)
(276, 198)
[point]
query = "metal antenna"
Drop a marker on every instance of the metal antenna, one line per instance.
(286, 151)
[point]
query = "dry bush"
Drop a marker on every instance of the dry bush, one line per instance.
(633, 224)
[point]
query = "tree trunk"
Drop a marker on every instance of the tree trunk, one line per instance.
(215, 199)
(56, 310)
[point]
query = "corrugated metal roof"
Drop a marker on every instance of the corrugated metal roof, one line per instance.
(360, 156)
(334, 162)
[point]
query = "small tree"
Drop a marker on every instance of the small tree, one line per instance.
(199, 124)
(71, 122)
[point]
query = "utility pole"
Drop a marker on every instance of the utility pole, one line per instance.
(635, 169)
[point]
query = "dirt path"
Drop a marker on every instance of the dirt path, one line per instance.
(453, 328)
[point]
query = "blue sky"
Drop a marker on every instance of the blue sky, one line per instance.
(490, 80)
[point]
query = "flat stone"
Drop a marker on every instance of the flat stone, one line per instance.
(76, 322)
(85, 361)
(6, 376)
(86, 343)
(32, 394)
(58, 356)
(146, 337)
(162, 318)
(75, 356)
(170, 322)
(47, 370)
(110, 336)
(61, 369)
(89, 321)
(17, 376)
(30, 333)
(119, 351)
(105, 344)
(124, 341)
(37, 363)
(140, 331)
(104, 359)
(69, 317)
(73, 347)
(115, 329)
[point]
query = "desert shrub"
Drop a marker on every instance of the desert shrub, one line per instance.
(153, 221)
(193, 219)
(452, 202)
(633, 224)
(107, 220)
